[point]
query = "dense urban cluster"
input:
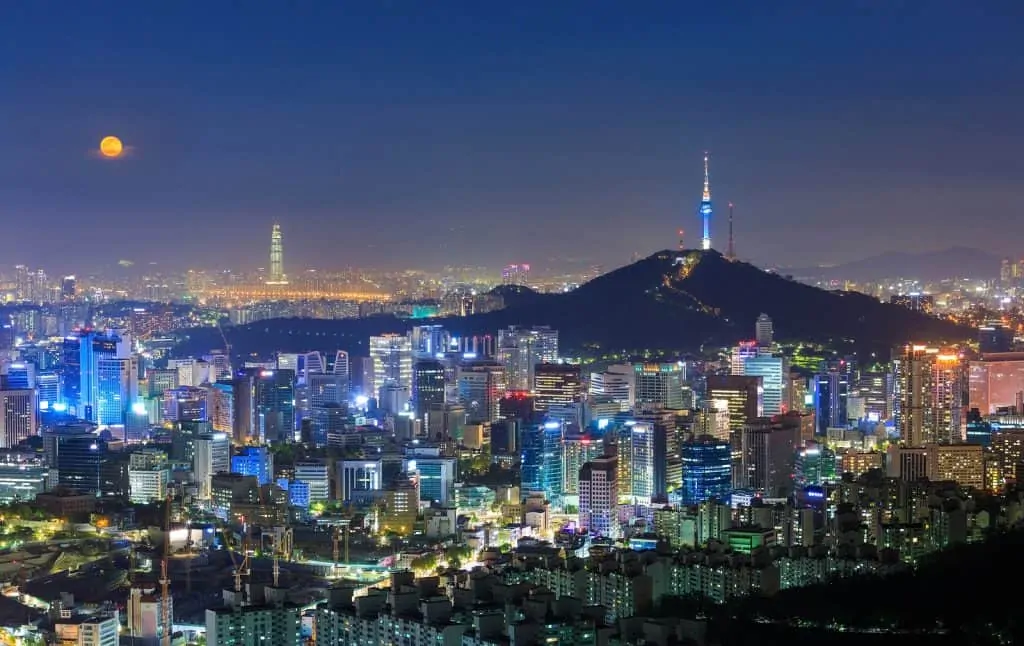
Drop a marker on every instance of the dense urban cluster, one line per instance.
(490, 489)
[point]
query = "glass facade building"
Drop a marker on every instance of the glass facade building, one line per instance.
(707, 470)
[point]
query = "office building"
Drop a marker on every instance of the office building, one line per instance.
(95, 347)
(481, 385)
(277, 275)
(521, 349)
(87, 630)
(764, 331)
(707, 469)
(392, 362)
(220, 407)
(359, 479)
(615, 384)
(436, 477)
(148, 475)
(659, 385)
(541, 459)
(17, 417)
(22, 476)
(769, 449)
(274, 405)
(186, 404)
(315, 474)
(774, 374)
(212, 457)
(636, 462)
(556, 387)
(599, 497)
(428, 385)
(255, 461)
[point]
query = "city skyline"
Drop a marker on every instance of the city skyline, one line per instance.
(458, 130)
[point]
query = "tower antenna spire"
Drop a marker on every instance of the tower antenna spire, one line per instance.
(731, 253)
(705, 206)
(707, 179)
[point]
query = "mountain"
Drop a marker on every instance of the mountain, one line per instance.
(931, 266)
(668, 301)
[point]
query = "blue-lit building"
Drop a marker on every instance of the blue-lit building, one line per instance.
(96, 348)
(298, 492)
(541, 460)
(255, 461)
(831, 390)
(436, 478)
(707, 470)
(274, 403)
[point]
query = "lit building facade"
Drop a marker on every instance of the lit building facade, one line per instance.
(931, 388)
(707, 470)
(598, 491)
(392, 362)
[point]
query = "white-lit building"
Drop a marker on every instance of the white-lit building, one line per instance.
(212, 456)
(392, 362)
(314, 474)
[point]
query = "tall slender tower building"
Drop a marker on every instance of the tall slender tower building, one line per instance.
(705, 207)
(277, 276)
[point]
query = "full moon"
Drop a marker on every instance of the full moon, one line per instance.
(111, 147)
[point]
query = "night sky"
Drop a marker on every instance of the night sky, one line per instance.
(418, 134)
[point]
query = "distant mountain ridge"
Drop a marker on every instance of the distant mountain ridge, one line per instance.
(675, 301)
(955, 262)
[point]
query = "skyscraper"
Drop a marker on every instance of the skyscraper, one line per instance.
(707, 469)
(599, 486)
(428, 385)
(17, 416)
(931, 387)
(392, 362)
(705, 207)
(481, 385)
(521, 349)
(277, 276)
(556, 385)
(659, 385)
(764, 332)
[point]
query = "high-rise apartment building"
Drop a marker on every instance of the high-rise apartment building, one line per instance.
(931, 392)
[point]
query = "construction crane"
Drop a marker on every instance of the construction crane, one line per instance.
(165, 579)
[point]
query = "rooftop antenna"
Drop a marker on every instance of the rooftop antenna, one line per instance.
(731, 253)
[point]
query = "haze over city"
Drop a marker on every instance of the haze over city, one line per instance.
(454, 323)
(398, 135)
